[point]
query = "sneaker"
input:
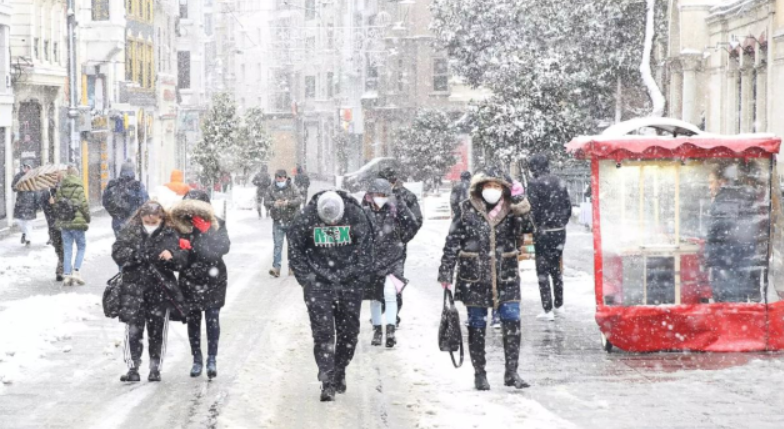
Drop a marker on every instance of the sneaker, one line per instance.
(59, 278)
(67, 280)
(548, 316)
(274, 272)
(559, 311)
(76, 278)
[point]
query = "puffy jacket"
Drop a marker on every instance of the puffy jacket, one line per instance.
(204, 278)
(549, 198)
(288, 193)
(142, 270)
(27, 203)
(262, 181)
(130, 190)
(485, 251)
(326, 257)
(71, 188)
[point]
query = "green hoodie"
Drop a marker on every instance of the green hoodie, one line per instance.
(71, 187)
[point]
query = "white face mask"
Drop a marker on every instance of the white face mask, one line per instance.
(492, 195)
(280, 184)
(151, 229)
(380, 201)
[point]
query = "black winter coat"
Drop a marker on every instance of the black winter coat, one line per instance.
(204, 277)
(550, 204)
(459, 194)
(484, 251)
(404, 195)
(393, 227)
(143, 270)
(262, 181)
(27, 202)
(327, 257)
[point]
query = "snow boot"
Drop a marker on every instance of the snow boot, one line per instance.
(476, 348)
(274, 272)
(212, 367)
(391, 336)
(327, 391)
(133, 373)
(340, 380)
(23, 238)
(378, 335)
(155, 370)
(77, 278)
(198, 364)
(512, 354)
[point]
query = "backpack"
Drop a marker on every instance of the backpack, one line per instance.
(116, 200)
(64, 208)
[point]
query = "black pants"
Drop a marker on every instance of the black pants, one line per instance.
(334, 320)
(549, 251)
(213, 331)
(157, 322)
(57, 242)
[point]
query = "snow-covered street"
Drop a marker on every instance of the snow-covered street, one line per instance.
(60, 359)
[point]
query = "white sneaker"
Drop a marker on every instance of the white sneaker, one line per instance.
(559, 311)
(67, 280)
(548, 316)
(77, 278)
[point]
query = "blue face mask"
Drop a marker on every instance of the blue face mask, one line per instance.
(280, 184)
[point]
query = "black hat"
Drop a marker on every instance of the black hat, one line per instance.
(281, 173)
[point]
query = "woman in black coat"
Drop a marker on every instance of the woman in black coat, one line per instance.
(394, 225)
(204, 278)
(148, 252)
(483, 243)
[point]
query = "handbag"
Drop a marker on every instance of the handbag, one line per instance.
(111, 296)
(450, 335)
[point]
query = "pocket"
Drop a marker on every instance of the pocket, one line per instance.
(509, 266)
(468, 268)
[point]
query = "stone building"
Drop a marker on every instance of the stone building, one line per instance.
(6, 114)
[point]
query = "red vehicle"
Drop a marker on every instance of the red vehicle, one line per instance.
(687, 231)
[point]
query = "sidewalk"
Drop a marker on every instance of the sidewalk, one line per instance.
(39, 222)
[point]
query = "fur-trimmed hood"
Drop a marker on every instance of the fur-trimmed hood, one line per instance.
(181, 214)
(517, 207)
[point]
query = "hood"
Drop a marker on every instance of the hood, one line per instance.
(127, 170)
(71, 180)
(465, 176)
(347, 200)
(181, 214)
(380, 186)
(496, 175)
(539, 165)
(176, 176)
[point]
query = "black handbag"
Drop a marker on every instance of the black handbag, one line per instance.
(450, 335)
(111, 296)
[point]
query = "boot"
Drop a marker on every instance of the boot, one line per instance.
(197, 365)
(274, 272)
(391, 336)
(340, 380)
(378, 335)
(512, 354)
(77, 278)
(133, 373)
(327, 391)
(476, 348)
(24, 236)
(212, 367)
(155, 370)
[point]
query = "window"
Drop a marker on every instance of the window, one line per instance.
(100, 10)
(400, 75)
(279, 84)
(440, 75)
(330, 37)
(46, 50)
(36, 53)
(310, 9)
(183, 9)
(139, 60)
(129, 48)
(310, 86)
(330, 84)
(208, 24)
(310, 45)
(184, 69)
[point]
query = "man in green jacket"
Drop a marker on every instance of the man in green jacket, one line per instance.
(72, 214)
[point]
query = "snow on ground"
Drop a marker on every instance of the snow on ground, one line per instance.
(33, 327)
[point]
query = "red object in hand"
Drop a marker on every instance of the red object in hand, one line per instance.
(185, 244)
(201, 224)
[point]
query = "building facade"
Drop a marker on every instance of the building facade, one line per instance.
(6, 114)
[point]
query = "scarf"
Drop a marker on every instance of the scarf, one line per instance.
(498, 206)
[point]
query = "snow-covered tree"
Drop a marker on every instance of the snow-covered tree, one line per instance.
(427, 146)
(219, 127)
(253, 145)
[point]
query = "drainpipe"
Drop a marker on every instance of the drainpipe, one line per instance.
(73, 79)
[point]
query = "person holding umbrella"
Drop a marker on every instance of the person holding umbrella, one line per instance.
(26, 206)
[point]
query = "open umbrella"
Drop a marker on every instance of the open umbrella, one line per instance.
(40, 178)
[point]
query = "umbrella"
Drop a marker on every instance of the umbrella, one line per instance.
(40, 178)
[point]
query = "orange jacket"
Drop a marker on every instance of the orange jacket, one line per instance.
(176, 184)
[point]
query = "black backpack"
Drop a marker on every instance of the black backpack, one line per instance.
(64, 208)
(116, 200)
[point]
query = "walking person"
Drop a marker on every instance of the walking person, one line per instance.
(204, 278)
(302, 180)
(551, 210)
(403, 196)
(331, 252)
(123, 196)
(47, 200)
(25, 207)
(393, 226)
(73, 219)
(148, 250)
(262, 182)
(282, 201)
(460, 193)
(483, 243)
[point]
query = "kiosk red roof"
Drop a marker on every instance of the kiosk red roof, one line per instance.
(651, 147)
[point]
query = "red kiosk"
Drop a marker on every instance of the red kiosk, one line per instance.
(660, 208)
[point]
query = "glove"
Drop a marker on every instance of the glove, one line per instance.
(185, 244)
(517, 189)
(200, 224)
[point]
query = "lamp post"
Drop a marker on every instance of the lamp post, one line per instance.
(73, 112)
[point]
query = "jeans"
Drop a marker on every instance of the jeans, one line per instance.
(213, 331)
(390, 302)
(69, 237)
(278, 234)
(508, 311)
